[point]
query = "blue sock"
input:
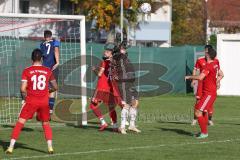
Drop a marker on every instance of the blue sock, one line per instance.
(51, 103)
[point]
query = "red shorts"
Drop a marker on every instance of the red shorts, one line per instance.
(206, 103)
(29, 109)
(199, 90)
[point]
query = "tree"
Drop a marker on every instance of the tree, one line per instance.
(107, 12)
(189, 22)
(224, 14)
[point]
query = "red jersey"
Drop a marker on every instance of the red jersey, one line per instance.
(37, 78)
(210, 81)
(201, 63)
(105, 82)
(105, 79)
(107, 88)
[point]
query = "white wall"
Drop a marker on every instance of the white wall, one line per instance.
(43, 6)
(228, 49)
(162, 14)
(36, 6)
(6, 6)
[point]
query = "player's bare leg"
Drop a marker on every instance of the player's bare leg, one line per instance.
(15, 134)
(133, 116)
(48, 135)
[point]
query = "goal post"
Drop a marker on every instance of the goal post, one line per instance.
(15, 28)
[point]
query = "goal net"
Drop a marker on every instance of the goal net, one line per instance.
(19, 35)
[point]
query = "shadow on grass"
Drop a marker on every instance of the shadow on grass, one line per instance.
(5, 145)
(178, 131)
(237, 124)
(174, 122)
(25, 129)
(93, 125)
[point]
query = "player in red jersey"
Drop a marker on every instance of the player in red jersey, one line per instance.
(35, 94)
(209, 77)
(106, 91)
(197, 84)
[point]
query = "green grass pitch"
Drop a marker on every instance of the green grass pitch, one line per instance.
(166, 135)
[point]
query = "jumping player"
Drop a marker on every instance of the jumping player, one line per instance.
(50, 50)
(34, 91)
(209, 77)
(197, 84)
(129, 94)
(106, 91)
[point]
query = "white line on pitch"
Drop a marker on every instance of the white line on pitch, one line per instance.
(122, 149)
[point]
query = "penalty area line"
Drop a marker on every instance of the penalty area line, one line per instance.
(122, 149)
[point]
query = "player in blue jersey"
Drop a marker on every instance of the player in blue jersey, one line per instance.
(50, 50)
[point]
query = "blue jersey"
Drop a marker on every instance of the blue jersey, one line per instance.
(48, 51)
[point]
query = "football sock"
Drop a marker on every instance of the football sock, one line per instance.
(102, 121)
(49, 143)
(96, 110)
(202, 124)
(12, 143)
(51, 103)
(47, 132)
(124, 115)
(17, 130)
(205, 115)
(133, 115)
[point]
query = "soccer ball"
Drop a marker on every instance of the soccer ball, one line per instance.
(145, 8)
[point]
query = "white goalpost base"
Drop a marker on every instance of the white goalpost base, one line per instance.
(10, 27)
(228, 53)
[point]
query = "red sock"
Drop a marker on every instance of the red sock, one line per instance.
(202, 124)
(17, 130)
(205, 115)
(47, 131)
(96, 110)
(113, 115)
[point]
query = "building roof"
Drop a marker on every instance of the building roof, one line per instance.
(224, 13)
